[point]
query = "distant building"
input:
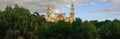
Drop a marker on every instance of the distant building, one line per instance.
(60, 16)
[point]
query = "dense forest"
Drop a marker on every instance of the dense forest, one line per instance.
(18, 23)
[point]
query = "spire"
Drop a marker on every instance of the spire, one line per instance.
(72, 13)
(72, 8)
(48, 7)
(48, 14)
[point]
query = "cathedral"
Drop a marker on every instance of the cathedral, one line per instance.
(60, 16)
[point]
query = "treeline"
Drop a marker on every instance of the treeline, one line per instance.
(18, 23)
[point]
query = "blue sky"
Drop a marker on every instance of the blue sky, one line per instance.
(93, 11)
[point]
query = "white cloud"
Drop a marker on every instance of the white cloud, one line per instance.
(104, 0)
(114, 8)
(40, 5)
(92, 3)
(56, 11)
(116, 1)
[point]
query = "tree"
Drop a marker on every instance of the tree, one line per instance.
(22, 26)
(84, 31)
(77, 22)
(57, 30)
(95, 22)
(4, 22)
(110, 30)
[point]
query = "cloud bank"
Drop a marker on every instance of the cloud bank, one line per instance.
(40, 5)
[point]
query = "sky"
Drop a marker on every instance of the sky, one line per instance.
(85, 9)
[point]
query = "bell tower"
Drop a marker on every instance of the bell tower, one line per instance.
(48, 14)
(72, 13)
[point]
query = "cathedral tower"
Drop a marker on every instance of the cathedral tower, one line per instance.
(59, 16)
(72, 13)
(48, 14)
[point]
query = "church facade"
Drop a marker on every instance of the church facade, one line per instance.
(60, 16)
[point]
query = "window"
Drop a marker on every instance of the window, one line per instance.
(48, 15)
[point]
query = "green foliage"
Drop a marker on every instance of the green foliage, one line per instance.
(63, 30)
(18, 23)
(110, 30)
(84, 31)
(59, 30)
(77, 22)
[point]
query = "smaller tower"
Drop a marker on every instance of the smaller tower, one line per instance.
(48, 14)
(72, 13)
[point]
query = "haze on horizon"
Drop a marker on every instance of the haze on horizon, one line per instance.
(84, 9)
